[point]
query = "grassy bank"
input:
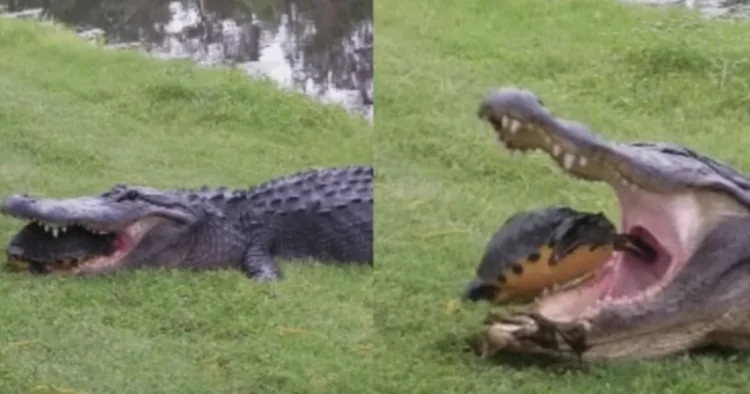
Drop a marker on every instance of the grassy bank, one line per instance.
(633, 73)
(76, 120)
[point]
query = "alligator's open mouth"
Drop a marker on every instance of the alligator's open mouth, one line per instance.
(670, 219)
(47, 248)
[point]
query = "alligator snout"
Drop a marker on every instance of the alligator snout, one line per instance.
(510, 101)
(13, 204)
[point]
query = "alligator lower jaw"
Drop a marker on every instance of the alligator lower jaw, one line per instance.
(112, 248)
(672, 223)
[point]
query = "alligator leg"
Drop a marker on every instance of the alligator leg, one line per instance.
(259, 265)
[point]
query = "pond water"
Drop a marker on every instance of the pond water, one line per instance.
(709, 8)
(323, 48)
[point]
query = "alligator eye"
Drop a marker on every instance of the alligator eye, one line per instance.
(130, 195)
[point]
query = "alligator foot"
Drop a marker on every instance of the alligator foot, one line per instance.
(261, 267)
(263, 277)
(532, 333)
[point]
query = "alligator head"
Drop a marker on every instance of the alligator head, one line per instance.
(691, 210)
(95, 233)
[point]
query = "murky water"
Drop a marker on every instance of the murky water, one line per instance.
(708, 8)
(323, 48)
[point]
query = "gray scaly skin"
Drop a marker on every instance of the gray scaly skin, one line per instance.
(320, 214)
(696, 209)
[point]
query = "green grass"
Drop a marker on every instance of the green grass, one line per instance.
(76, 120)
(444, 186)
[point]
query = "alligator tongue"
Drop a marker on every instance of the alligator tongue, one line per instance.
(636, 246)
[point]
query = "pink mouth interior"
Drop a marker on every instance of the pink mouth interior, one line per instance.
(627, 274)
(126, 241)
(123, 243)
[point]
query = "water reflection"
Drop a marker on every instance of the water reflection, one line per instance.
(708, 8)
(319, 47)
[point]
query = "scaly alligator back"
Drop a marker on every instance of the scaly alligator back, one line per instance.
(325, 214)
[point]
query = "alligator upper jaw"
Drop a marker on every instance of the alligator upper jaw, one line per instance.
(66, 234)
(93, 213)
(108, 213)
(673, 219)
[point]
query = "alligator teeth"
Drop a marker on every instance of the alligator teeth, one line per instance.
(54, 229)
(504, 122)
(514, 126)
(510, 127)
(546, 292)
(628, 184)
(568, 160)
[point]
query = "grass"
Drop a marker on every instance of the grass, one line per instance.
(631, 72)
(76, 120)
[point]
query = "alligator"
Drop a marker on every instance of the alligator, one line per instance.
(323, 214)
(693, 211)
(545, 250)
